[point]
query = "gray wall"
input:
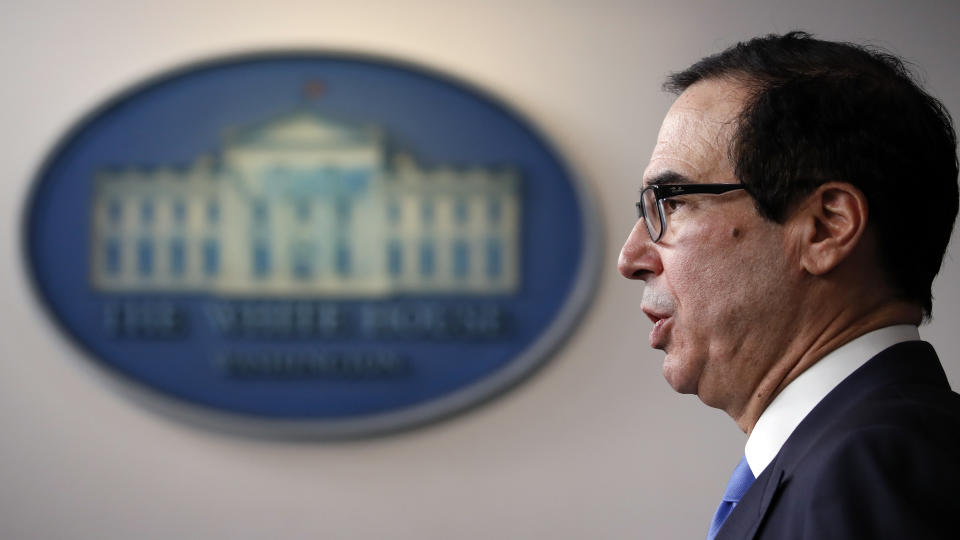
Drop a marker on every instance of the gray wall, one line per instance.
(595, 446)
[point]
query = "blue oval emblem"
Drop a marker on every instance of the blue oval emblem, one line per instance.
(311, 243)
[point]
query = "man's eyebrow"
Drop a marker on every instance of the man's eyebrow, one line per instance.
(669, 177)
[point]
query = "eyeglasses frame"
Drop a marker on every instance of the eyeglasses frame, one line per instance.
(666, 191)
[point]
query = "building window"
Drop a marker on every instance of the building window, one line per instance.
(427, 212)
(395, 258)
(303, 210)
(114, 256)
(179, 212)
(211, 257)
(494, 258)
(427, 259)
(115, 212)
(393, 212)
(146, 212)
(343, 210)
(261, 258)
(213, 212)
(494, 210)
(178, 257)
(461, 211)
(259, 212)
(302, 263)
(461, 259)
(145, 257)
(355, 179)
(342, 259)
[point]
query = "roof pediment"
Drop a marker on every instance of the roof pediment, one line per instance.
(303, 129)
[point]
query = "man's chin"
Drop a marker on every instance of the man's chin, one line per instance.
(678, 379)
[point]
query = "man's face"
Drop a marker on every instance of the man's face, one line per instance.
(716, 283)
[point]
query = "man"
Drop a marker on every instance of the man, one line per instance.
(794, 213)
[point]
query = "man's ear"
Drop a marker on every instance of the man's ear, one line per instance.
(831, 222)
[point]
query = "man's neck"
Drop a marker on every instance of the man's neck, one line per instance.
(797, 399)
(813, 344)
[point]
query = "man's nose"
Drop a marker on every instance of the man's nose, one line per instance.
(638, 258)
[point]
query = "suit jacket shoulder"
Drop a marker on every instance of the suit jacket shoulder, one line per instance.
(878, 457)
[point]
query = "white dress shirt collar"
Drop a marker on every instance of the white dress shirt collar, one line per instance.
(792, 405)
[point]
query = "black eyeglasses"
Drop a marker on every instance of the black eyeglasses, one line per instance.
(650, 207)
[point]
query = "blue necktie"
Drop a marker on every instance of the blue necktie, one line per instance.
(739, 482)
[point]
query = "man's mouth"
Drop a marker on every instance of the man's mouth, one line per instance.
(660, 308)
(661, 327)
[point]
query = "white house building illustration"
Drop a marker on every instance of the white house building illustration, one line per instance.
(302, 206)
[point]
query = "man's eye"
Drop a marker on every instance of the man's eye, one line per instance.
(671, 205)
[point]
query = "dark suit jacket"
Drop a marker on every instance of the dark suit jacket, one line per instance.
(878, 457)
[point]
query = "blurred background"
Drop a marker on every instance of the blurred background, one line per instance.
(595, 445)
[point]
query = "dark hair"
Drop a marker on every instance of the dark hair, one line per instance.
(821, 111)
